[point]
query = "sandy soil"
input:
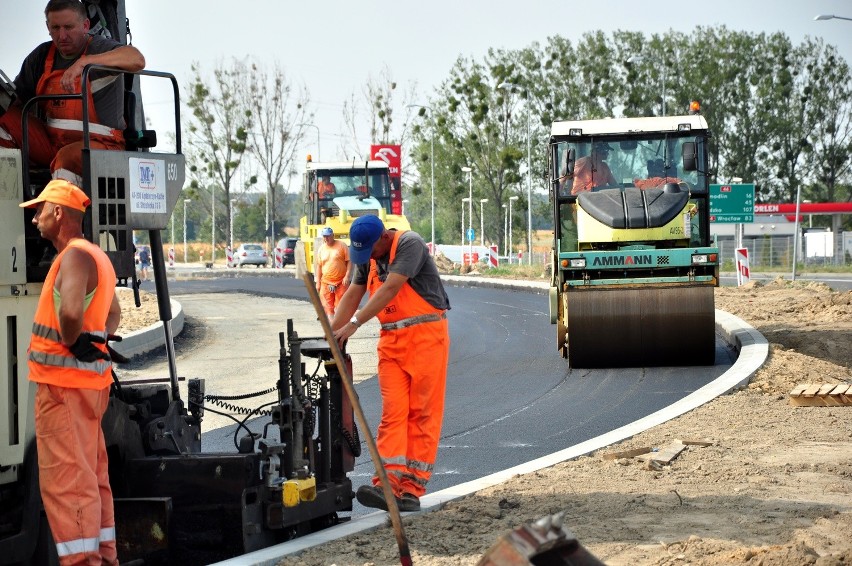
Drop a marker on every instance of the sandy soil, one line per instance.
(772, 488)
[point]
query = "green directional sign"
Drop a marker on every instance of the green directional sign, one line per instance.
(732, 204)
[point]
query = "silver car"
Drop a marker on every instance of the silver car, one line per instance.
(249, 254)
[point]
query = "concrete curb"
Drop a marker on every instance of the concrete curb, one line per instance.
(152, 337)
(753, 350)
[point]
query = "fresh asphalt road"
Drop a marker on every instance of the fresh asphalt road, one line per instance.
(510, 396)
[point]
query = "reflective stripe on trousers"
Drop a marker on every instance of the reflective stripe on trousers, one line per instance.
(412, 379)
(73, 473)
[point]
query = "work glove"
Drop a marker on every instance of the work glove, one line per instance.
(114, 355)
(84, 349)
(332, 288)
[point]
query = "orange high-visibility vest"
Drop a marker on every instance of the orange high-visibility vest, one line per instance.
(50, 361)
(407, 304)
(65, 117)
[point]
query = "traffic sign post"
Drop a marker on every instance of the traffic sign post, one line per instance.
(471, 235)
(732, 204)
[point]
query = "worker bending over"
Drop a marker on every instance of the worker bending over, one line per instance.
(407, 296)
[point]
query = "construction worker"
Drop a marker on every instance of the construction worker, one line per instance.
(407, 296)
(592, 172)
(68, 360)
(55, 67)
(333, 270)
(326, 188)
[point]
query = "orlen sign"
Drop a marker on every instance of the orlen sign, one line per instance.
(392, 155)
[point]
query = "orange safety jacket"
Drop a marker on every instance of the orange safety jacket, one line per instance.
(413, 353)
(50, 361)
(407, 308)
(65, 117)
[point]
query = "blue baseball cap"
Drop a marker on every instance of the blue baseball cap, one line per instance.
(327, 231)
(363, 235)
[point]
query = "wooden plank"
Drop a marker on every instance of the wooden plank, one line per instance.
(825, 389)
(812, 389)
(702, 443)
(666, 454)
(798, 390)
(839, 389)
(821, 395)
(802, 401)
(627, 453)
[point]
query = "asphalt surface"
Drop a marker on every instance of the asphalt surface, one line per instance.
(510, 397)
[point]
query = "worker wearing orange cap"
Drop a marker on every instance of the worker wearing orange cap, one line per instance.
(69, 361)
(333, 270)
(408, 298)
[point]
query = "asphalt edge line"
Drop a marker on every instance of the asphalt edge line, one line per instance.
(753, 350)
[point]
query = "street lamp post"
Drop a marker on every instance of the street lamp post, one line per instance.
(185, 201)
(511, 249)
(639, 59)
(319, 156)
(231, 235)
(464, 200)
(432, 164)
(469, 172)
(213, 223)
(505, 230)
(529, 172)
(482, 202)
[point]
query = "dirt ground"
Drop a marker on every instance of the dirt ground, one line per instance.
(772, 489)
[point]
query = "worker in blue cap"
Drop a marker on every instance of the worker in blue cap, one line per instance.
(408, 298)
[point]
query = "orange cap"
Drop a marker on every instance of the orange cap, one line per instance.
(60, 191)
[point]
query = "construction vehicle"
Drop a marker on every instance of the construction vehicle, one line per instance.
(633, 268)
(359, 188)
(174, 503)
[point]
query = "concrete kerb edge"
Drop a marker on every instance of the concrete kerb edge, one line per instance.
(151, 337)
(753, 350)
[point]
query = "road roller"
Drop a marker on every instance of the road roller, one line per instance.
(633, 264)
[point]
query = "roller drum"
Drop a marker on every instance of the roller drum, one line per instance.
(641, 326)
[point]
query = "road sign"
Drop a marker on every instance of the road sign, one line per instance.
(732, 204)
(471, 234)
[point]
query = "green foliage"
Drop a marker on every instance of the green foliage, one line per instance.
(781, 114)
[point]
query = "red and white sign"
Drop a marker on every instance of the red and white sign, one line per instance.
(493, 257)
(171, 257)
(743, 275)
(392, 155)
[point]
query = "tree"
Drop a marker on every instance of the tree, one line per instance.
(379, 102)
(278, 127)
(218, 131)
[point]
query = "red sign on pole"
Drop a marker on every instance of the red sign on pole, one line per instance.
(392, 155)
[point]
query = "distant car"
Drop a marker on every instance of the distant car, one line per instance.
(288, 250)
(249, 254)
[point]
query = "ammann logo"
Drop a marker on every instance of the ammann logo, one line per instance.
(624, 260)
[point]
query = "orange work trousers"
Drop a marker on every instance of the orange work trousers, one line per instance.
(330, 299)
(44, 150)
(73, 473)
(412, 380)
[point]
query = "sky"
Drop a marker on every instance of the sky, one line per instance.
(332, 47)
